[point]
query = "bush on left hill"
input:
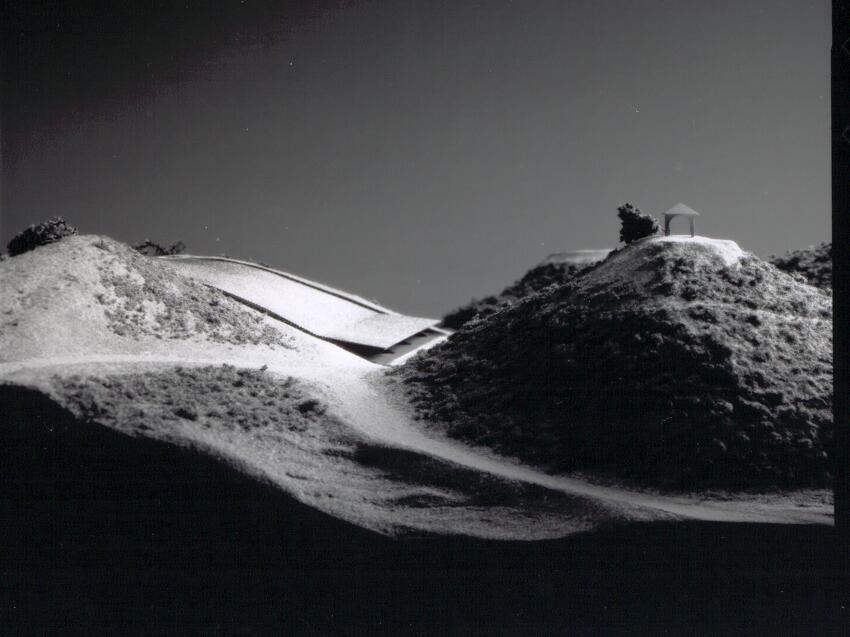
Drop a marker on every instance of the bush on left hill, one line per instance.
(40, 234)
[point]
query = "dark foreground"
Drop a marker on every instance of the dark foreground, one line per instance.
(102, 534)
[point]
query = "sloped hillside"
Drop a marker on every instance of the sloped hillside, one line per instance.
(110, 357)
(814, 264)
(554, 270)
(676, 361)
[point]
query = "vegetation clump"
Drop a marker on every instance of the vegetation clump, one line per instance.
(814, 264)
(151, 249)
(635, 224)
(40, 234)
(220, 398)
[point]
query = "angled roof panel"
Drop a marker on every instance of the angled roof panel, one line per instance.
(318, 309)
(683, 210)
(382, 330)
(577, 257)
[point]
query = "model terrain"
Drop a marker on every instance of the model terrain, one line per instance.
(673, 381)
(679, 363)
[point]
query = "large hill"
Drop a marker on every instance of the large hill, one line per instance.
(675, 361)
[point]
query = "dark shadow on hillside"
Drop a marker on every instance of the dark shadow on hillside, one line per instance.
(105, 534)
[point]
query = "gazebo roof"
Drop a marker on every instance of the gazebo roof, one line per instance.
(681, 209)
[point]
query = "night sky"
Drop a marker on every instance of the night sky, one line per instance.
(418, 153)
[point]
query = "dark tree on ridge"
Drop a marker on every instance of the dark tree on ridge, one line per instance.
(153, 249)
(40, 234)
(635, 224)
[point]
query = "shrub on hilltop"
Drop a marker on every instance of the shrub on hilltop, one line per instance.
(40, 234)
(635, 224)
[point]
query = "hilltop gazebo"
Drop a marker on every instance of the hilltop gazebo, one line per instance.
(679, 210)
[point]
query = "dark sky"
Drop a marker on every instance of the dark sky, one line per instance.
(419, 153)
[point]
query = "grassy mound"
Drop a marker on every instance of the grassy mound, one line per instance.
(215, 398)
(142, 297)
(550, 272)
(679, 363)
(89, 294)
(814, 264)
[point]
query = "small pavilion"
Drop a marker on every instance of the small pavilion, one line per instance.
(679, 210)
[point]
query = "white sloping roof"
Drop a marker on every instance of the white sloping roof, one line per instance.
(577, 257)
(409, 347)
(682, 209)
(318, 309)
(380, 330)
